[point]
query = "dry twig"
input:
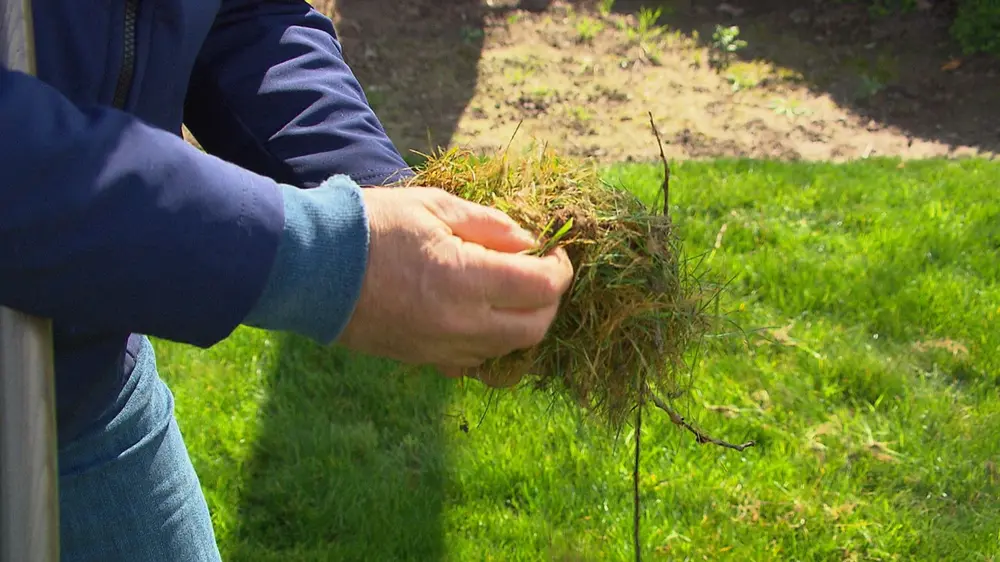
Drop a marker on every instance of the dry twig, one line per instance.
(699, 435)
(645, 390)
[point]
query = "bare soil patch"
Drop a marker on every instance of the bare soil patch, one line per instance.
(820, 83)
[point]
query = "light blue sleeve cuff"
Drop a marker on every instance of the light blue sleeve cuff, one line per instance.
(320, 265)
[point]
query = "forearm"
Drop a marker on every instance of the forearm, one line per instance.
(272, 92)
(112, 224)
(321, 262)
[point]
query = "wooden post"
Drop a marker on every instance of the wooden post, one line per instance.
(29, 477)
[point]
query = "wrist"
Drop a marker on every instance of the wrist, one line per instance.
(320, 265)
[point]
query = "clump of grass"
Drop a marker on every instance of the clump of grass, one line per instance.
(633, 310)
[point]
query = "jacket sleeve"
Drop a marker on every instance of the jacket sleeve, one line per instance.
(113, 224)
(271, 92)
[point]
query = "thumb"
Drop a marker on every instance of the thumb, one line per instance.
(485, 226)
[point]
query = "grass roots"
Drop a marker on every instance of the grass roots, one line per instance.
(633, 310)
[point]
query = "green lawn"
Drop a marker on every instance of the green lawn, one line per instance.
(869, 378)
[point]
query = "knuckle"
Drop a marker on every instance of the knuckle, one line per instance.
(440, 202)
(550, 288)
(501, 218)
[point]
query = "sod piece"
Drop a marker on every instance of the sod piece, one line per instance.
(634, 309)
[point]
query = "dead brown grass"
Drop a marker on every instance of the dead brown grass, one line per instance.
(633, 310)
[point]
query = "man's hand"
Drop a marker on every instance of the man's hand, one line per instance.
(446, 284)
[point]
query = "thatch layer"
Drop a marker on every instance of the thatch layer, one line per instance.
(633, 311)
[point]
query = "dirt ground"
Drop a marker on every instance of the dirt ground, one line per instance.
(826, 81)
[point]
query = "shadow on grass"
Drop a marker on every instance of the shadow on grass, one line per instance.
(349, 462)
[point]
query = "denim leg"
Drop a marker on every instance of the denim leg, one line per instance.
(127, 489)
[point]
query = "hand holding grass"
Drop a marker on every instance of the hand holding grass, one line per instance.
(451, 283)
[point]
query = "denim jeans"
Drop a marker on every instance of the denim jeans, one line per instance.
(127, 488)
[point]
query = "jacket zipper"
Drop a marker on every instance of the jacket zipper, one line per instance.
(128, 55)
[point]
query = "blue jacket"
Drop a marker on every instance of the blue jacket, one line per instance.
(111, 225)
